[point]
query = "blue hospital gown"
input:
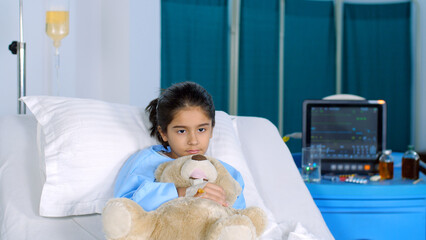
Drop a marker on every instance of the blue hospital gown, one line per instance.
(136, 180)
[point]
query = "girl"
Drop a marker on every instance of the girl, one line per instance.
(182, 119)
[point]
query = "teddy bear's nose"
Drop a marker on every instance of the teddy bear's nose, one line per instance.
(199, 158)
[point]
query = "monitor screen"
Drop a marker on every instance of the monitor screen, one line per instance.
(349, 133)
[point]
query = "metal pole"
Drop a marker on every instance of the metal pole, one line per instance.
(234, 54)
(281, 70)
(338, 13)
(417, 85)
(21, 62)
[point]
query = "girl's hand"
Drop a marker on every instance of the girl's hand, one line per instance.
(213, 192)
(181, 191)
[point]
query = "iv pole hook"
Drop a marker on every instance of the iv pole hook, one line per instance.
(19, 49)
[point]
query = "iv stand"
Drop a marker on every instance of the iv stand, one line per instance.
(19, 48)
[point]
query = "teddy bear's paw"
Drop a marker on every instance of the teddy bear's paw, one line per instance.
(236, 232)
(258, 218)
(234, 227)
(116, 219)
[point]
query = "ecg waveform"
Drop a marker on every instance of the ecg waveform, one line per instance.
(345, 132)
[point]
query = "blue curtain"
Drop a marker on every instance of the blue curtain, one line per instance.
(309, 59)
(258, 60)
(194, 45)
(376, 56)
(377, 62)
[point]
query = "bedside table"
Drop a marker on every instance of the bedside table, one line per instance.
(391, 209)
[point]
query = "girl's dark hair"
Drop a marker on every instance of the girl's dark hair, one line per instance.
(180, 95)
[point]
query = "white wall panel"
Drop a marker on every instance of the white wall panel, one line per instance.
(145, 53)
(104, 57)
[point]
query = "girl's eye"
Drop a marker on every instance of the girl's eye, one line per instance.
(201, 130)
(181, 131)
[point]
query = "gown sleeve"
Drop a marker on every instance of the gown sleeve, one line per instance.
(136, 181)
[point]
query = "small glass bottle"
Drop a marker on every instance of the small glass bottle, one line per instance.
(410, 164)
(386, 165)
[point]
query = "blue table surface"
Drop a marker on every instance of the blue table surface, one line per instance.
(385, 209)
(397, 188)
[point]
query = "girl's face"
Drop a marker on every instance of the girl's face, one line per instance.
(188, 133)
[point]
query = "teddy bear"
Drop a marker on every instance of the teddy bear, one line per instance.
(186, 217)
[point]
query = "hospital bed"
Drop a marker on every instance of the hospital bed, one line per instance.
(28, 162)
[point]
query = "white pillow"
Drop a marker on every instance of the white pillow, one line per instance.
(85, 143)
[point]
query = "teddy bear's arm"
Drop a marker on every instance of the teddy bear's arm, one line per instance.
(238, 185)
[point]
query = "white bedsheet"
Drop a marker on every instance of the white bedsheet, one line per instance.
(270, 162)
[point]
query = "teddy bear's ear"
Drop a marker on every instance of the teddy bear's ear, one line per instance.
(160, 169)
